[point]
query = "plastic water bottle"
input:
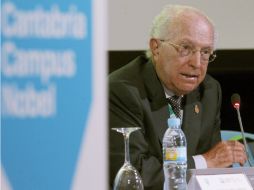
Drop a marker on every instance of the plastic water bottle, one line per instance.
(174, 156)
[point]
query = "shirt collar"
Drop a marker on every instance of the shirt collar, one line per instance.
(169, 93)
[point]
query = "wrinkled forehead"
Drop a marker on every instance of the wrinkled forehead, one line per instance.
(192, 26)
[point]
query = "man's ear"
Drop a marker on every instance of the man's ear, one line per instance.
(154, 46)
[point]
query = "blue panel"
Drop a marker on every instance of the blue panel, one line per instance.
(46, 90)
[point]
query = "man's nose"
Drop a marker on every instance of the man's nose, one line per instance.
(196, 59)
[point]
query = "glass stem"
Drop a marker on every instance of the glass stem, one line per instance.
(126, 144)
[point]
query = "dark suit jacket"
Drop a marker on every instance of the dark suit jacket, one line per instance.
(137, 98)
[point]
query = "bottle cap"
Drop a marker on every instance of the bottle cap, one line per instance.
(173, 121)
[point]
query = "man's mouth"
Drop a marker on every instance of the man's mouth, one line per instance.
(189, 76)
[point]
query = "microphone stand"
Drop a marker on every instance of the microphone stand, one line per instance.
(243, 136)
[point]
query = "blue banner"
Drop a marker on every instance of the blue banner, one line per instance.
(46, 90)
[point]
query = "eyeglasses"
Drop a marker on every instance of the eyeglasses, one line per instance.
(207, 55)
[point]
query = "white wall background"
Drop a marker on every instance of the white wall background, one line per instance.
(130, 20)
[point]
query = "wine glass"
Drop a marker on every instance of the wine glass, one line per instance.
(127, 178)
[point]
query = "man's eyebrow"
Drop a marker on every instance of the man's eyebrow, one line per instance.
(189, 42)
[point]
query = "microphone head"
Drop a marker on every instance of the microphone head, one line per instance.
(236, 100)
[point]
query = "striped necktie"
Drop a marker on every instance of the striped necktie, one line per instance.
(176, 104)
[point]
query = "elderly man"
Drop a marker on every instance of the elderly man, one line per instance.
(182, 43)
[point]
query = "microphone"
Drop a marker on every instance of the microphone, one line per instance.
(236, 101)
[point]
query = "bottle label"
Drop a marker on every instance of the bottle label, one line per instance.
(175, 154)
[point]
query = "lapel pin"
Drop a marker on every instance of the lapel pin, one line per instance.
(196, 109)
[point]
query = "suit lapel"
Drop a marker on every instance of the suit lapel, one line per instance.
(157, 99)
(154, 89)
(192, 120)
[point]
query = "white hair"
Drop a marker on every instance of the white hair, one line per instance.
(162, 25)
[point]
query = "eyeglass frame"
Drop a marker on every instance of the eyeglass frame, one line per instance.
(211, 57)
